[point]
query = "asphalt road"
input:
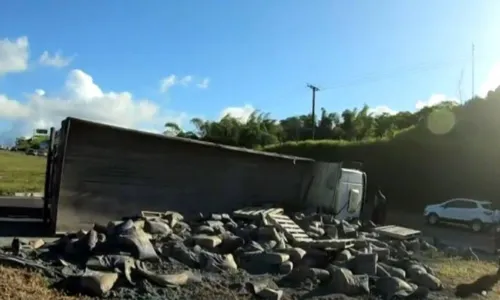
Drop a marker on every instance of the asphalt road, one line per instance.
(454, 236)
(21, 201)
(451, 235)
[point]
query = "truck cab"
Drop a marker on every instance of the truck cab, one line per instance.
(336, 190)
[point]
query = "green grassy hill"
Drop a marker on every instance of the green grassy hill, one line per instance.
(21, 173)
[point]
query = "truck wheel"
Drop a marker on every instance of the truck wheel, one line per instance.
(476, 225)
(432, 219)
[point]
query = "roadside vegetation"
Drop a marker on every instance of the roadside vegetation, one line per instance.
(21, 173)
(20, 284)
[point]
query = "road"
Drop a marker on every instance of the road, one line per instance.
(450, 235)
(21, 202)
(453, 236)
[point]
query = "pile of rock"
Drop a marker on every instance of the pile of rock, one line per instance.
(248, 254)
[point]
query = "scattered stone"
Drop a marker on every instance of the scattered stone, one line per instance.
(365, 264)
(270, 294)
(154, 253)
(344, 282)
(207, 241)
(296, 254)
(286, 267)
(427, 280)
(98, 283)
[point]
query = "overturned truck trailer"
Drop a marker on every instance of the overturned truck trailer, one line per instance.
(98, 172)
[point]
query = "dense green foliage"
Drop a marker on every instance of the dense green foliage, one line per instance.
(437, 153)
(260, 130)
(23, 144)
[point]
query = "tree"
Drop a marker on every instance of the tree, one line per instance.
(172, 129)
(354, 124)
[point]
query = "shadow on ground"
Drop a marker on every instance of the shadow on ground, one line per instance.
(23, 228)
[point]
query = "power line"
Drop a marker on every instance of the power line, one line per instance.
(313, 117)
(375, 76)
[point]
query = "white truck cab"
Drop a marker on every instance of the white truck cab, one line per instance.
(349, 194)
(336, 190)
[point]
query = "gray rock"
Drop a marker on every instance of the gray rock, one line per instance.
(344, 255)
(427, 280)
(272, 258)
(205, 229)
(270, 294)
(218, 262)
(413, 245)
(390, 286)
(178, 251)
(268, 233)
(165, 280)
(97, 283)
(207, 241)
(172, 218)
(382, 253)
(318, 274)
(296, 254)
(331, 231)
(413, 269)
(344, 282)
(138, 242)
(268, 245)
(180, 228)
(382, 272)
(230, 243)
(393, 271)
(286, 267)
(157, 227)
(365, 264)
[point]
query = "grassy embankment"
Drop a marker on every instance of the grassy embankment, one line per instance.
(416, 167)
(21, 173)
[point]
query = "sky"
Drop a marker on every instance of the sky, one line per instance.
(140, 64)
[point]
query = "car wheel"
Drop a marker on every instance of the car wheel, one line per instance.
(432, 219)
(476, 225)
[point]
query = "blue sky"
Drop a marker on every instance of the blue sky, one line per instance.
(256, 53)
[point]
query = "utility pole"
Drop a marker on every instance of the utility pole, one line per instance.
(314, 90)
(460, 86)
(473, 71)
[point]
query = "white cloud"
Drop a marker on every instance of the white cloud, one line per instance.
(56, 60)
(492, 81)
(12, 109)
(83, 98)
(39, 92)
(186, 80)
(241, 113)
(14, 55)
(434, 100)
(171, 80)
(167, 82)
(381, 109)
(204, 83)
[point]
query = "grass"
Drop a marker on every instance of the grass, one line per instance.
(454, 271)
(21, 173)
(20, 284)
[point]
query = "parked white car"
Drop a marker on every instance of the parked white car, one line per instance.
(476, 214)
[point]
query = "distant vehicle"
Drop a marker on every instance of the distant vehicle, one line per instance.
(478, 215)
(32, 152)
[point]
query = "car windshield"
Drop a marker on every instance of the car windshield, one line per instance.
(487, 205)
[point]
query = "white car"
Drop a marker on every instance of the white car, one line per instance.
(476, 214)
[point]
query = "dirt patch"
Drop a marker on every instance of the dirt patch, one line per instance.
(19, 284)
